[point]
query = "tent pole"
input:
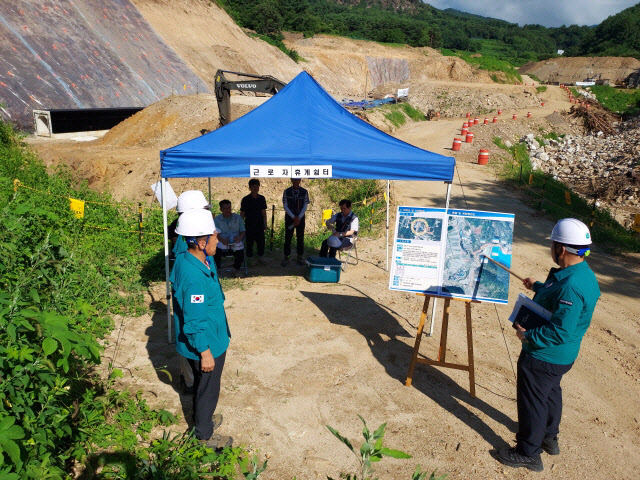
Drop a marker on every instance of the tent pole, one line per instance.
(387, 269)
(433, 308)
(209, 179)
(166, 255)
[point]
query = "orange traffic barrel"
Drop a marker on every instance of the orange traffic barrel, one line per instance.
(465, 124)
(468, 115)
(469, 138)
(528, 114)
(483, 157)
(457, 143)
(495, 119)
(486, 120)
(437, 114)
(499, 112)
(464, 131)
(515, 116)
(542, 104)
(476, 121)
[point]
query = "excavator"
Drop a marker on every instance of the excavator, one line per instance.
(257, 83)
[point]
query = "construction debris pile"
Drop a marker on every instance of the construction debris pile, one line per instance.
(602, 168)
(595, 119)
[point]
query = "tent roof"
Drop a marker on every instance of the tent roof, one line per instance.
(303, 126)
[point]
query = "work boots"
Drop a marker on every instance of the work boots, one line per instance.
(550, 445)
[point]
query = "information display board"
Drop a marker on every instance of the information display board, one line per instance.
(442, 252)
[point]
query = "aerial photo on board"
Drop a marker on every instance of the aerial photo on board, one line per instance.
(466, 270)
(419, 228)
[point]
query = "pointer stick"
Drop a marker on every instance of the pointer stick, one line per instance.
(505, 268)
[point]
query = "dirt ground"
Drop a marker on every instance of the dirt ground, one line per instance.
(305, 355)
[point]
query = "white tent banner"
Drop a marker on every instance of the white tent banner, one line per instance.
(289, 171)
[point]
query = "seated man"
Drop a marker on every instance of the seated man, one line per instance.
(231, 235)
(345, 228)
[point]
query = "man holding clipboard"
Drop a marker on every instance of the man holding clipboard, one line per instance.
(570, 293)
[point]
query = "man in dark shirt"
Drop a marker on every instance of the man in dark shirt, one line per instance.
(295, 200)
(253, 209)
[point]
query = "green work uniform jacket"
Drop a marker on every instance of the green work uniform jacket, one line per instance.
(570, 294)
(199, 317)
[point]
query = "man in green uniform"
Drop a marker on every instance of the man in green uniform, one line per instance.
(188, 200)
(202, 330)
(570, 293)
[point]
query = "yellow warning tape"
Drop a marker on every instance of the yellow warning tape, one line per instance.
(17, 184)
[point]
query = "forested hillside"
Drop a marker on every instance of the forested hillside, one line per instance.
(417, 24)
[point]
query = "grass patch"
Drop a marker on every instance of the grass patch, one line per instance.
(624, 102)
(541, 89)
(489, 63)
(548, 195)
(412, 112)
(534, 77)
(396, 117)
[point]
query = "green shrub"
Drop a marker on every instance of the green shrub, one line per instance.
(61, 282)
(541, 89)
(624, 102)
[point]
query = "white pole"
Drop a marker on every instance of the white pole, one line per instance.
(166, 255)
(209, 180)
(433, 308)
(387, 269)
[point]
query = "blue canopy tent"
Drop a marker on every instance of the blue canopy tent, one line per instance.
(300, 132)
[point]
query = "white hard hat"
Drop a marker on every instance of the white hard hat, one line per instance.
(196, 223)
(571, 232)
(334, 242)
(191, 200)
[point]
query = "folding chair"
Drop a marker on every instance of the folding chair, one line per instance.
(347, 251)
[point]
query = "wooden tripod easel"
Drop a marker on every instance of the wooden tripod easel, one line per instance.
(442, 352)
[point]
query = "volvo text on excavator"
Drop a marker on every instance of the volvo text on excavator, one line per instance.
(255, 83)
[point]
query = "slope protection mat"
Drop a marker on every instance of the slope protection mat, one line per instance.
(83, 54)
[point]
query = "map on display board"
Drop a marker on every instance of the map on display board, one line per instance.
(444, 253)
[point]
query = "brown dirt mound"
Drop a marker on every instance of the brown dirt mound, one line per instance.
(207, 39)
(576, 69)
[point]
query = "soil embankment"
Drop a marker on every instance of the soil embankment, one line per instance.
(576, 69)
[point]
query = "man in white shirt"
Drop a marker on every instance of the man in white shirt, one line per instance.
(344, 226)
(231, 236)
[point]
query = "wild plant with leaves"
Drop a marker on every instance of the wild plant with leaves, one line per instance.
(372, 451)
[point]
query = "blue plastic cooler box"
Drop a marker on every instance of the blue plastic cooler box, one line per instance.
(323, 270)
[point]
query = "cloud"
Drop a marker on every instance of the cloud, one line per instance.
(550, 13)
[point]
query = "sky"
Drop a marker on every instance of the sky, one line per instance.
(549, 13)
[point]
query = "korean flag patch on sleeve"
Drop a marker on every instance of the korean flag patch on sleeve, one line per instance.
(197, 298)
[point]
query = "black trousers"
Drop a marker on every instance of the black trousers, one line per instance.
(238, 257)
(539, 399)
(288, 236)
(205, 401)
(324, 248)
(254, 235)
